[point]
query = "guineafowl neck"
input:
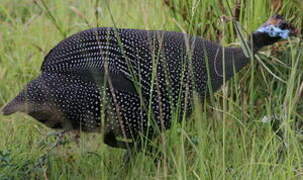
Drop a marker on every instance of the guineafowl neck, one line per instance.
(224, 63)
(260, 40)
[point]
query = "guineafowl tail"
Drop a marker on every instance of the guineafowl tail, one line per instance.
(15, 105)
(25, 101)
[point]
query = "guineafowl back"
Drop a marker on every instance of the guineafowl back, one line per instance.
(141, 70)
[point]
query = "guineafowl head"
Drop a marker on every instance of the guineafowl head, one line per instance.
(273, 30)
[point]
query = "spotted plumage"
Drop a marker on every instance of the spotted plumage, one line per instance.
(126, 82)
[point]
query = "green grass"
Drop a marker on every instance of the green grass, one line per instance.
(224, 138)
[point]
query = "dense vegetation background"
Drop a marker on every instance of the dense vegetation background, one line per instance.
(224, 138)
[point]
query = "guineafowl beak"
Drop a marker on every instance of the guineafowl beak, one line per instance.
(277, 27)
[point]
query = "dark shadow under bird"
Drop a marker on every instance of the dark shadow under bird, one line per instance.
(128, 82)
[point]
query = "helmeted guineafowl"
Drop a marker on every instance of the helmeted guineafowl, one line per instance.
(120, 81)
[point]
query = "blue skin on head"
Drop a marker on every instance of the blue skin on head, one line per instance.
(274, 31)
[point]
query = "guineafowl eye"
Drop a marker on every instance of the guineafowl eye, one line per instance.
(283, 25)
